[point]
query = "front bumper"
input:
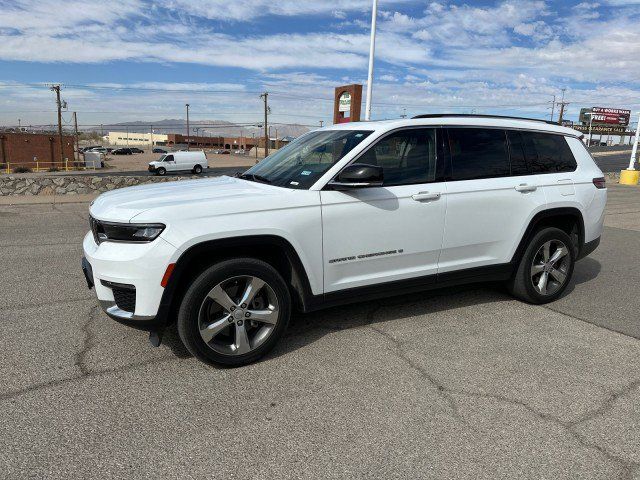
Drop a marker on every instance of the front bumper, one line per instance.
(152, 168)
(110, 266)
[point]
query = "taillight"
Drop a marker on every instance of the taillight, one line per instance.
(600, 182)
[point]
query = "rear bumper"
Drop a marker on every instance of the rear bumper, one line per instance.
(588, 248)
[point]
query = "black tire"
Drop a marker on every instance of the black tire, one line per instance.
(522, 284)
(188, 314)
(161, 171)
(197, 169)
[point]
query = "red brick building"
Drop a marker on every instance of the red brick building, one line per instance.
(228, 143)
(21, 148)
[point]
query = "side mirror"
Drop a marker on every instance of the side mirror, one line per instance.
(358, 175)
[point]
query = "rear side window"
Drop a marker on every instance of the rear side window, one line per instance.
(478, 153)
(547, 153)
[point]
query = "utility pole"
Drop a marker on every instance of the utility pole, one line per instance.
(553, 107)
(56, 88)
(404, 113)
(265, 96)
(321, 123)
(187, 138)
(562, 105)
(75, 121)
(372, 51)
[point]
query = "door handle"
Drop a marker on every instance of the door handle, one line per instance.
(419, 197)
(524, 188)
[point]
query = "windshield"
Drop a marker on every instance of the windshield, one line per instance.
(301, 163)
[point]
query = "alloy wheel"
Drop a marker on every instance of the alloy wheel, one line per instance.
(238, 315)
(550, 267)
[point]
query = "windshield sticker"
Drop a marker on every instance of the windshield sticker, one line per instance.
(305, 172)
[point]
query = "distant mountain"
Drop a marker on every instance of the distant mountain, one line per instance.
(204, 128)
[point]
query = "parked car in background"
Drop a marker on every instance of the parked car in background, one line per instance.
(179, 162)
(225, 152)
(239, 152)
(102, 150)
(122, 151)
(160, 150)
(136, 150)
(90, 147)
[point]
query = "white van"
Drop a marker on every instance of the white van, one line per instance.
(179, 162)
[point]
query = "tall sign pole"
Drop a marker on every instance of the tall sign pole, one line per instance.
(372, 51)
(187, 138)
(634, 151)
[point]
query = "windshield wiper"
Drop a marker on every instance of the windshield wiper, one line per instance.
(255, 178)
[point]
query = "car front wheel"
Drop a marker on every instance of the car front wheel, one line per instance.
(161, 171)
(234, 312)
(545, 269)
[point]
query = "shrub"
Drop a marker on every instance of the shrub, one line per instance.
(22, 170)
(53, 169)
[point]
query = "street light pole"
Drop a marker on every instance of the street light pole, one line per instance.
(372, 51)
(590, 124)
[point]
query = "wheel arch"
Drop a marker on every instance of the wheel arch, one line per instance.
(275, 250)
(568, 219)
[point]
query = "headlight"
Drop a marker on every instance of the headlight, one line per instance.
(124, 232)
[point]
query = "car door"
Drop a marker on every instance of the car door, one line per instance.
(381, 234)
(169, 163)
(490, 198)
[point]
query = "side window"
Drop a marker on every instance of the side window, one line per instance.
(168, 158)
(548, 153)
(516, 154)
(478, 153)
(407, 156)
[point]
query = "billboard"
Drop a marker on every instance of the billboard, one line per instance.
(606, 116)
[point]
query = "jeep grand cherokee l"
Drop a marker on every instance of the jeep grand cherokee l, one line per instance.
(344, 214)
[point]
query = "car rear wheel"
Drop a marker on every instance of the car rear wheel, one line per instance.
(161, 171)
(546, 267)
(234, 312)
(197, 169)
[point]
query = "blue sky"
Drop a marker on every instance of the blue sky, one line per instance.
(124, 60)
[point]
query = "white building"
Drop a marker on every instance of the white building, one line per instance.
(132, 139)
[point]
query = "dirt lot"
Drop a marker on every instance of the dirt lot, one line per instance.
(140, 161)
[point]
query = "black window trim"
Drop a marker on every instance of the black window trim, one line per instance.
(440, 164)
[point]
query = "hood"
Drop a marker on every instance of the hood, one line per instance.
(124, 204)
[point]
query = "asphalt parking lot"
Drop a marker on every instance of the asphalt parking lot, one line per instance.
(464, 383)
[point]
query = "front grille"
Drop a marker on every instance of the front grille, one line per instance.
(125, 299)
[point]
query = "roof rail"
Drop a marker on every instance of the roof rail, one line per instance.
(473, 115)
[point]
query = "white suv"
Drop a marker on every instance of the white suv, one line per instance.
(344, 214)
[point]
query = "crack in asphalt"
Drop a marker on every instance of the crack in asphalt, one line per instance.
(80, 361)
(628, 467)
